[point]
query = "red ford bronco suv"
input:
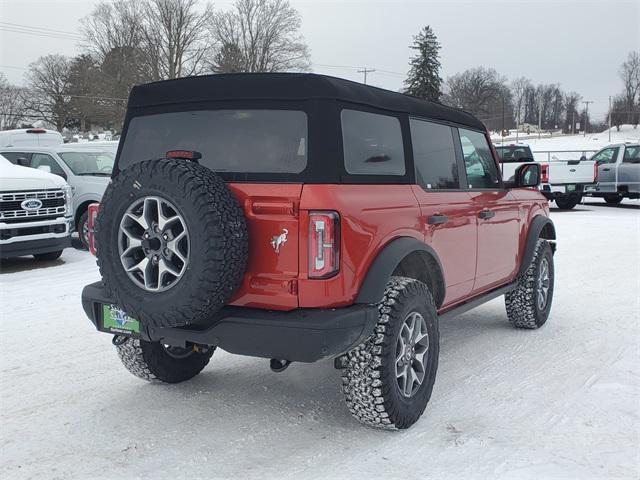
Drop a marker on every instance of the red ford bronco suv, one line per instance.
(299, 217)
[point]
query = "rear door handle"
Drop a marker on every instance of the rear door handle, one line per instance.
(486, 214)
(437, 219)
(606, 169)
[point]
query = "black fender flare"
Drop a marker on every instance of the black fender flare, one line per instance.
(538, 224)
(382, 267)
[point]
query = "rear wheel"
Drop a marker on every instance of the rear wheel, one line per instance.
(528, 306)
(83, 229)
(48, 257)
(613, 199)
(567, 202)
(153, 361)
(387, 380)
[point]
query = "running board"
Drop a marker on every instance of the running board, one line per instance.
(471, 304)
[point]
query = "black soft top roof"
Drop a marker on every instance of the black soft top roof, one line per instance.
(289, 86)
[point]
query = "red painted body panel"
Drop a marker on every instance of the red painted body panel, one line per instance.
(476, 255)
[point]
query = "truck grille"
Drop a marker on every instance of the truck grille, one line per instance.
(53, 204)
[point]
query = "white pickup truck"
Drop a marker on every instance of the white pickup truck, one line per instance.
(36, 213)
(618, 173)
(562, 181)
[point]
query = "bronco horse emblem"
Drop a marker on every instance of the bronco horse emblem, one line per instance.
(278, 240)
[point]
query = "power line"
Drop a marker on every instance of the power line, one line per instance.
(39, 28)
(39, 34)
(366, 70)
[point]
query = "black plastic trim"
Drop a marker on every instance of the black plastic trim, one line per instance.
(477, 301)
(301, 335)
(33, 247)
(375, 281)
(538, 223)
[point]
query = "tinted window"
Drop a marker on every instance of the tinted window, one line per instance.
(482, 171)
(372, 144)
(608, 155)
(631, 155)
(44, 160)
(434, 155)
(514, 153)
(14, 156)
(256, 141)
(89, 163)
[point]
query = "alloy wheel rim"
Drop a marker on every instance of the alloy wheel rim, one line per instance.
(153, 243)
(543, 284)
(412, 348)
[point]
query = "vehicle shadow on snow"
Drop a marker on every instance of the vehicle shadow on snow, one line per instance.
(619, 205)
(22, 264)
(244, 393)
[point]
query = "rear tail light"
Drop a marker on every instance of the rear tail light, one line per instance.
(184, 154)
(595, 171)
(544, 173)
(91, 224)
(324, 244)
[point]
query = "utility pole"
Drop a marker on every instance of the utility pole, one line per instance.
(365, 71)
(539, 116)
(609, 118)
(586, 115)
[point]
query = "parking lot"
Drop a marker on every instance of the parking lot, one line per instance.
(562, 401)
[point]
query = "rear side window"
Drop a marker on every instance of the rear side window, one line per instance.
(434, 155)
(482, 171)
(251, 141)
(14, 156)
(372, 144)
(631, 155)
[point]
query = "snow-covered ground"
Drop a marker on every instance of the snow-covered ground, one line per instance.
(560, 402)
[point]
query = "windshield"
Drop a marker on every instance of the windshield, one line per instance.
(251, 141)
(514, 153)
(89, 163)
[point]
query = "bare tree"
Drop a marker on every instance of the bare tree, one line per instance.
(48, 80)
(176, 37)
(483, 92)
(571, 100)
(266, 33)
(630, 74)
(12, 106)
(518, 89)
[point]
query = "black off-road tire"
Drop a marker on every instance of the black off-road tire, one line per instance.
(218, 242)
(48, 257)
(522, 305)
(369, 380)
(567, 202)
(613, 199)
(81, 228)
(150, 360)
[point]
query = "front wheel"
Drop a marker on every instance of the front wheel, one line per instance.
(83, 229)
(528, 306)
(388, 379)
(153, 361)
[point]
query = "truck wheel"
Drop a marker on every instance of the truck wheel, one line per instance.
(567, 202)
(529, 304)
(613, 199)
(171, 241)
(83, 229)
(388, 379)
(48, 257)
(153, 361)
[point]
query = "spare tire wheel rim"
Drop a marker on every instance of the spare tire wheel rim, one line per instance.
(153, 243)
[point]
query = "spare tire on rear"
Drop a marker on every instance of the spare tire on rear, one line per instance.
(171, 242)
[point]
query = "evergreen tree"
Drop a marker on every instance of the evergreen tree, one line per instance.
(424, 79)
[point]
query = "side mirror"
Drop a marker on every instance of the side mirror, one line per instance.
(23, 162)
(526, 176)
(45, 168)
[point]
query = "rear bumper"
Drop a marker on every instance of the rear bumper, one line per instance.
(551, 192)
(301, 335)
(32, 247)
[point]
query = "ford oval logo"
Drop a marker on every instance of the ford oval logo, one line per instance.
(31, 204)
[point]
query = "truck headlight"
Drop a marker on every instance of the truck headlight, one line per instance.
(68, 199)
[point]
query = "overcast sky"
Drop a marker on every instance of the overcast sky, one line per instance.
(579, 44)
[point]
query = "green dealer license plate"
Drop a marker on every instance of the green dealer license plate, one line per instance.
(571, 188)
(115, 320)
